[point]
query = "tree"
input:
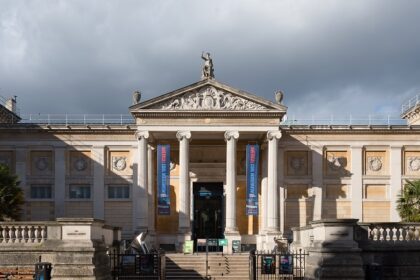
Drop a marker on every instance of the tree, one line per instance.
(11, 196)
(409, 202)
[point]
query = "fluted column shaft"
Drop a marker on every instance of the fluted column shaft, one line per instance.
(184, 181)
(272, 187)
(231, 137)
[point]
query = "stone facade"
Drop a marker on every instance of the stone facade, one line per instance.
(108, 172)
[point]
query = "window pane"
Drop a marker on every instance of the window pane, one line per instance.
(118, 192)
(41, 191)
(79, 192)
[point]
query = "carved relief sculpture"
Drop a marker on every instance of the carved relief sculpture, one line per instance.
(375, 163)
(337, 164)
(80, 164)
(296, 163)
(414, 163)
(119, 163)
(42, 163)
(209, 98)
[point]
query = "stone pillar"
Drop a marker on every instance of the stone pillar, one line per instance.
(59, 181)
(231, 137)
(140, 197)
(184, 182)
(357, 182)
(333, 253)
(21, 159)
(396, 180)
(264, 196)
(98, 182)
(317, 181)
(151, 189)
(272, 183)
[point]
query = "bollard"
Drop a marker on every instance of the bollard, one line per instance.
(374, 272)
(43, 271)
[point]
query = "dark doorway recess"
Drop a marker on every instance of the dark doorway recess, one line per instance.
(208, 211)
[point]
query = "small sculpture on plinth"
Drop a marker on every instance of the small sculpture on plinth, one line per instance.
(279, 96)
(208, 71)
(136, 97)
(282, 244)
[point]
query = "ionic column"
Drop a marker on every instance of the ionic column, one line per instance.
(231, 137)
(184, 181)
(140, 197)
(272, 187)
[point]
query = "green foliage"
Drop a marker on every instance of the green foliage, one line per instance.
(409, 202)
(11, 196)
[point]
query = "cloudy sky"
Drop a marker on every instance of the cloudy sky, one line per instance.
(329, 57)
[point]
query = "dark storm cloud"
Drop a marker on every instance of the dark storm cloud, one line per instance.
(329, 57)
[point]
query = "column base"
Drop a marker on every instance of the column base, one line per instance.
(184, 234)
(230, 235)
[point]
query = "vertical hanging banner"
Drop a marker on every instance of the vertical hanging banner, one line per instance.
(252, 155)
(163, 177)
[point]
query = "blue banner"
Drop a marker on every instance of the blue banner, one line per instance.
(163, 177)
(252, 155)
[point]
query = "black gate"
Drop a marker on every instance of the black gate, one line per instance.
(138, 266)
(277, 265)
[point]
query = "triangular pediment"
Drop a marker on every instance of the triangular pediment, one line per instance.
(208, 96)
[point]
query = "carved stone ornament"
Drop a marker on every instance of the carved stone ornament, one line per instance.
(336, 163)
(42, 163)
(296, 163)
(80, 164)
(414, 163)
(375, 163)
(119, 163)
(209, 98)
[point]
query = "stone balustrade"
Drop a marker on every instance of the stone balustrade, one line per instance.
(22, 232)
(392, 232)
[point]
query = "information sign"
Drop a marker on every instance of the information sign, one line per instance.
(223, 242)
(286, 264)
(188, 247)
(268, 264)
(236, 246)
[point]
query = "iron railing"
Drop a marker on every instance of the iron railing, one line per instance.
(277, 265)
(350, 120)
(138, 266)
(83, 119)
(409, 104)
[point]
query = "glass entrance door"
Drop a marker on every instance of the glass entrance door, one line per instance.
(208, 212)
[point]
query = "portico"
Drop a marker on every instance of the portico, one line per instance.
(207, 126)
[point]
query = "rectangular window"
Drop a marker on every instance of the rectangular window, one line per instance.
(41, 191)
(79, 192)
(118, 192)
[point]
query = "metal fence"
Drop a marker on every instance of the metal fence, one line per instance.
(84, 119)
(138, 266)
(277, 265)
(350, 120)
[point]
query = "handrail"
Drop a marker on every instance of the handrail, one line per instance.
(350, 120)
(83, 119)
(409, 104)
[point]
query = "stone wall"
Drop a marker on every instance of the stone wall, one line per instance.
(77, 249)
(359, 250)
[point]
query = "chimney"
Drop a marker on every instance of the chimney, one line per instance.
(11, 104)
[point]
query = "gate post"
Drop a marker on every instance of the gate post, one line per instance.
(252, 265)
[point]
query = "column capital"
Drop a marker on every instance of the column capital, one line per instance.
(142, 134)
(231, 134)
(273, 134)
(183, 134)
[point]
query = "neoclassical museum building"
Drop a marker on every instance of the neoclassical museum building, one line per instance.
(208, 161)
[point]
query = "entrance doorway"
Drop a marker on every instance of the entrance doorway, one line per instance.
(208, 211)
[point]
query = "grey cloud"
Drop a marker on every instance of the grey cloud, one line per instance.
(330, 57)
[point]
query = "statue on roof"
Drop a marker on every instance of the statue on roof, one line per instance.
(208, 71)
(136, 97)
